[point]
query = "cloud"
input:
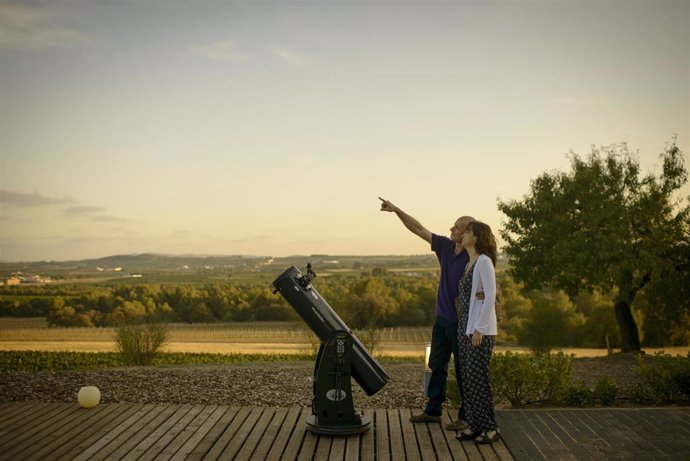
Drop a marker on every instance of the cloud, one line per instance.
(24, 27)
(17, 199)
(88, 239)
(219, 51)
(82, 210)
(88, 212)
(288, 57)
(106, 218)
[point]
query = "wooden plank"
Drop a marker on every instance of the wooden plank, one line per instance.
(522, 444)
(645, 430)
(680, 418)
(438, 439)
(269, 437)
(190, 445)
(408, 435)
(181, 420)
(27, 420)
(129, 442)
(295, 443)
(242, 434)
(502, 451)
(4, 406)
(367, 442)
(383, 452)
(323, 449)
(595, 431)
(16, 413)
(33, 435)
(187, 431)
(138, 430)
(92, 450)
(256, 434)
(16, 417)
(464, 450)
(552, 433)
(352, 444)
(395, 435)
(227, 435)
(214, 433)
(82, 432)
(60, 435)
(171, 417)
(669, 430)
(576, 443)
(620, 439)
(97, 431)
(536, 436)
(283, 436)
(338, 449)
(308, 447)
(426, 447)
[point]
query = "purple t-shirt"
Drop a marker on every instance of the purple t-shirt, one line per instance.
(452, 266)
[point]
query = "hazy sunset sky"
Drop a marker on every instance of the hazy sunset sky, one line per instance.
(270, 128)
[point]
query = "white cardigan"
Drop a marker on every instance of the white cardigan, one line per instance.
(482, 316)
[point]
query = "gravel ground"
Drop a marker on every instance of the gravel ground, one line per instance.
(276, 384)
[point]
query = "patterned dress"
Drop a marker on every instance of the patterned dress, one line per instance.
(474, 365)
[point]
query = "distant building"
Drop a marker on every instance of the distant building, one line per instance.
(13, 281)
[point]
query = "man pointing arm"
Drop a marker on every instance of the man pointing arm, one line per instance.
(444, 337)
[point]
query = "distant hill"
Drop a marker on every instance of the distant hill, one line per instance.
(152, 262)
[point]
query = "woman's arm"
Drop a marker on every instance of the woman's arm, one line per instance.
(487, 276)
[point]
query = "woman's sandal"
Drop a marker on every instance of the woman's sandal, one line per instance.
(467, 434)
(484, 438)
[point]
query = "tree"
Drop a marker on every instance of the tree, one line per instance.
(603, 225)
(551, 322)
(370, 303)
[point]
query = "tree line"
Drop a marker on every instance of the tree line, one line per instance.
(538, 318)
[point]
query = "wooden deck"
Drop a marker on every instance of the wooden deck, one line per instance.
(41, 431)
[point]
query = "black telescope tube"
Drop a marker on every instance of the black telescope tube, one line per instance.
(323, 320)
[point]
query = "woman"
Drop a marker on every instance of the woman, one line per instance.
(477, 330)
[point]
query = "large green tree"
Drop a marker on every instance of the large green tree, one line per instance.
(604, 225)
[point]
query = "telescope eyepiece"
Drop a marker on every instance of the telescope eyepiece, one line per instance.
(305, 280)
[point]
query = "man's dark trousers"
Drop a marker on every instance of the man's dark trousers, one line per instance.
(444, 342)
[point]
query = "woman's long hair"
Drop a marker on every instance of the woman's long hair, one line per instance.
(486, 242)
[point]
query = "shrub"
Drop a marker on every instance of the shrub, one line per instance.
(606, 391)
(665, 377)
(554, 373)
(139, 344)
(370, 337)
(638, 393)
(579, 395)
(514, 378)
(525, 378)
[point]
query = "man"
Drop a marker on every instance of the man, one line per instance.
(444, 337)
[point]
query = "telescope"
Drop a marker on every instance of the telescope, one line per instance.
(340, 357)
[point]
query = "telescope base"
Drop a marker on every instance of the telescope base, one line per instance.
(340, 429)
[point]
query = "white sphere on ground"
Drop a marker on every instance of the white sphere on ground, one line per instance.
(89, 396)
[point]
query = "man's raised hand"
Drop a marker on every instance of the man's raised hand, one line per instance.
(387, 206)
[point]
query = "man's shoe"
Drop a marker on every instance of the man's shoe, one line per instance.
(457, 425)
(424, 418)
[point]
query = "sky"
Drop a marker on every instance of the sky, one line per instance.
(271, 127)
